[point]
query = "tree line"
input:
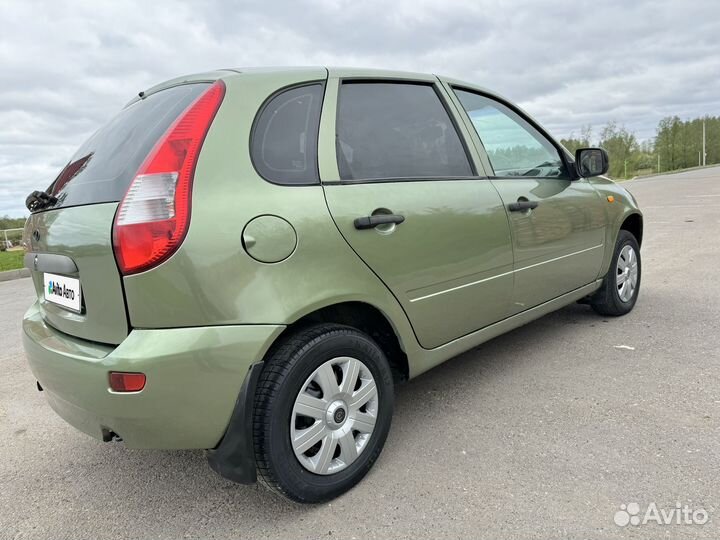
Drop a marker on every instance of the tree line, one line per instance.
(6, 222)
(677, 145)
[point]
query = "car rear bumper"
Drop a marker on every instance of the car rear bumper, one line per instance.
(194, 376)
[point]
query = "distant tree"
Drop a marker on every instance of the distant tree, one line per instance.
(712, 139)
(644, 158)
(621, 145)
(6, 222)
(679, 143)
(584, 140)
(586, 134)
(516, 157)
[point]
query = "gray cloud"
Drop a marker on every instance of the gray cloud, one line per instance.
(69, 66)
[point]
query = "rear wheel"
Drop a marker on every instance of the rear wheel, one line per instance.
(621, 285)
(323, 408)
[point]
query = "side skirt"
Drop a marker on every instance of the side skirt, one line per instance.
(428, 359)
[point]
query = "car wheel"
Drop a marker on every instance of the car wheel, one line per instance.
(323, 407)
(620, 288)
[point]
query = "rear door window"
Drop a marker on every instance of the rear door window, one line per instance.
(395, 131)
(284, 143)
(102, 169)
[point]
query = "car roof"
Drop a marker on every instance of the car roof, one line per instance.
(313, 72)
(359, 72)
(365, 73)
(339, 72)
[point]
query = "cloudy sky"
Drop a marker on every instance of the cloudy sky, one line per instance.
(66, 67)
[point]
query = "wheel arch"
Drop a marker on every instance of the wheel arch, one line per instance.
(631, 220)
(633, 223)
(368, 319)
(234, 457)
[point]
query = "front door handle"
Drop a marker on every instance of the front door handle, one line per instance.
(522, 205)
(370, 222)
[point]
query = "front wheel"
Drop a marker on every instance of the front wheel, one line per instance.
(620, 288)
(322, 412)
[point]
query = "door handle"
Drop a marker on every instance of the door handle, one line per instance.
(522, 205)
(370, 222)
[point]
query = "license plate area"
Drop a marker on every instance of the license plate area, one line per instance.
(63, 291)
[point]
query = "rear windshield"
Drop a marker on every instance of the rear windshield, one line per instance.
(102, 169)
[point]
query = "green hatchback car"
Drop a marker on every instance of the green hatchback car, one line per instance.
(247, 261)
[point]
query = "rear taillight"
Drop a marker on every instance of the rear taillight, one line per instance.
(153, 217)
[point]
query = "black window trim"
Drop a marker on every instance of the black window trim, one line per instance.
(567, 162)
(398, 179)
(446, 105)
(259, 113)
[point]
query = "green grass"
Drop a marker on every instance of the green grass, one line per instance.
(11, 260)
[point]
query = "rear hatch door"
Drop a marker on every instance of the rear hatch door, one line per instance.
(69, 243)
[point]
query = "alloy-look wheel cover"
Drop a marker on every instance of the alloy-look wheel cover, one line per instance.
(334, 415)
(627, 273)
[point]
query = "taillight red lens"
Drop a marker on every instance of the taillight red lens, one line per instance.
(126, 382)
(153, 217)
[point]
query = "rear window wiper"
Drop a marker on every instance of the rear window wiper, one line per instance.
(38, 200)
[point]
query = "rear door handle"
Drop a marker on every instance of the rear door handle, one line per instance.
(521, 206)
(370, 222)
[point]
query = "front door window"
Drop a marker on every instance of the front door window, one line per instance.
(514, 147)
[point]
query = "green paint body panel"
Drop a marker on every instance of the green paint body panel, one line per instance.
(193, 377)
(278, 239)
(559, 246)
(616, 213)
(82, 233)
(449, 264)
(460, 270)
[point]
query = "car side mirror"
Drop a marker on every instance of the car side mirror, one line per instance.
(591, 161)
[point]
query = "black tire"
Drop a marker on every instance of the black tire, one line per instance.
(287, 366)
(607, 301)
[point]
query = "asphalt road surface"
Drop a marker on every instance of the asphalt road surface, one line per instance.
(545, 431)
